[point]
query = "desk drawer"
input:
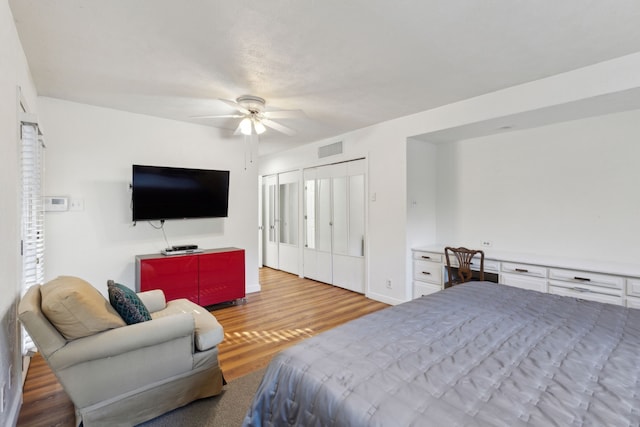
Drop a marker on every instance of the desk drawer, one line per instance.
(427, 256)
(633, 302)
(524, 282)
(584, 292)
(633, 287)
(489, 264)
(586, 288)
(427, 272)
(421, 289)
(580, 278)
(524, 269)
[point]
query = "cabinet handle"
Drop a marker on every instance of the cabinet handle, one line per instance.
(575, 288)
(426, 257)
(582, 279)
(522, 270)
(426, 272)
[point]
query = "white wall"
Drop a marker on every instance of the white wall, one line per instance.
(14, 72)
(90, 151)
(567, 190)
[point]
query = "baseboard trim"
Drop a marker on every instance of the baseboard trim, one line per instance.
(383, 298)
(253, 288)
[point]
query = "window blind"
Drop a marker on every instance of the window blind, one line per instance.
(32, 218)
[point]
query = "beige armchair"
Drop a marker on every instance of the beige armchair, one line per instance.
(128, 374)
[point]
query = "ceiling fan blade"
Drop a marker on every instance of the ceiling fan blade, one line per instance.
(225, 116)
(284, 114)
(278, 127)
(235, 105)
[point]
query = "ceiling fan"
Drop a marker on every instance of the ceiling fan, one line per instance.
(255, 119)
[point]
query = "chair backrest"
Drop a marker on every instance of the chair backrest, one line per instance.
(463, 257)
(44, 335)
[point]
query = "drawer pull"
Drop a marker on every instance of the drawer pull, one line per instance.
(577, 289)
(582, 279)
(426, 257)
(522, 270)
(426, 272)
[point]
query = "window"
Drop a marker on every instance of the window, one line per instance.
(32, 218)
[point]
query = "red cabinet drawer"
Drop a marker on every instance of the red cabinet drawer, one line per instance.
(221, 277)
(177, 277)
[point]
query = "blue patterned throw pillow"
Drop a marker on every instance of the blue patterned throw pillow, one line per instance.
(127, 304)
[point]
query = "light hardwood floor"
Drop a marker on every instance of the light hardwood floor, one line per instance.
(287, 310)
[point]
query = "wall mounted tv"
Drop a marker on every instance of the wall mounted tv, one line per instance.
(161, 192)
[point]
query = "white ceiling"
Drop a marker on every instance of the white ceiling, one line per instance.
(346, 64)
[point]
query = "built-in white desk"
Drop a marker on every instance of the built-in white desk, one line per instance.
(603, 281)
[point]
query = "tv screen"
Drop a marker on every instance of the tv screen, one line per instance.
(161, 192)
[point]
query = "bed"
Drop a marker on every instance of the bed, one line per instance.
(475, 354)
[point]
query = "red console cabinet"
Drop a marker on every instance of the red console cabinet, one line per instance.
(206, 278)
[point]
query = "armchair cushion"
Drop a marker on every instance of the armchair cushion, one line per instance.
(154, 300)
(127, 304)
(208, 332)
(76, 308)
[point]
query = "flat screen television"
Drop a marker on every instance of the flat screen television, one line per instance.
(161, 192)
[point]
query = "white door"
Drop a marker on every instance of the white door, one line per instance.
(349, 227)
(280, 213)
(334, 224)
(270, 222)
(288, 221)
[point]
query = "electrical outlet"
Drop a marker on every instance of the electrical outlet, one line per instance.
(486, 243)
(76, 204)
(388, 283)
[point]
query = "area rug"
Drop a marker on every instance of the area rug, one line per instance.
(225, 410)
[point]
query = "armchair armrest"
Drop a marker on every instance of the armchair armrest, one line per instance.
(154, 300)
(121, 340)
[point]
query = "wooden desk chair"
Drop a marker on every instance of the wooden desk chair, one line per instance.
(464, 257)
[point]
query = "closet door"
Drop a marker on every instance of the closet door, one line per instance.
(280, 212)
(349, 227)
(309, 261)
(324, 225)
(270, 215)
(288, 220)
(334, 224)
(318, 224)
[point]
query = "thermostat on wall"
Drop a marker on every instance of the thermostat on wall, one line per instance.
(56, 204)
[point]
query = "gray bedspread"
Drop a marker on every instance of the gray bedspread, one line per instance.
(475, 354)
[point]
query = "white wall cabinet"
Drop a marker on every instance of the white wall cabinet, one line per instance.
(334, 224)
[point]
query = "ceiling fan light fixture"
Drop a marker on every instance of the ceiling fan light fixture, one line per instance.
(259, 127)
(245, 126)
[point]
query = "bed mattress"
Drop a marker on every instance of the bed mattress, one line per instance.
(475, 354)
